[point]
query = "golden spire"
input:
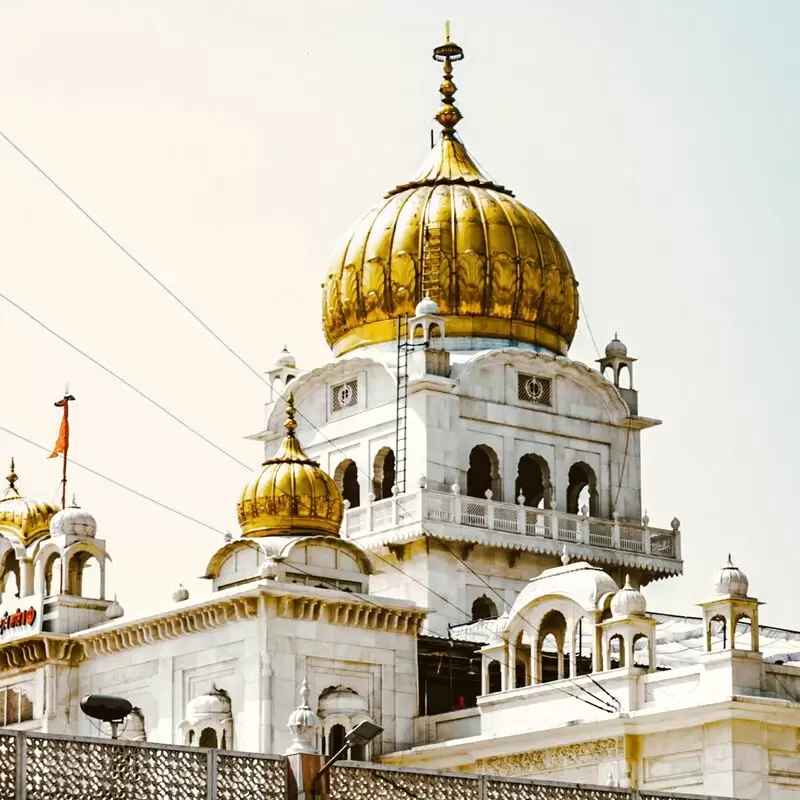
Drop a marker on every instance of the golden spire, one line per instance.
(12, 476)
(448, 116)
(290, 423)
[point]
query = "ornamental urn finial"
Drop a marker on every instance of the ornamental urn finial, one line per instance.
(303, 723)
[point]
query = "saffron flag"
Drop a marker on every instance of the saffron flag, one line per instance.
(62, 443)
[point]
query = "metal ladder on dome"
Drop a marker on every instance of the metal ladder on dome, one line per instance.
(401, 408)
(431, 261)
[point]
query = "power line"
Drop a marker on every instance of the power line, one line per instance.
(588, 326)
(122, 380)
(116, 483)
(158, 281)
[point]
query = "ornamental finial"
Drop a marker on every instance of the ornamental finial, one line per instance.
(303, 724)
(290, 424)
(12, 476)
(448, 116)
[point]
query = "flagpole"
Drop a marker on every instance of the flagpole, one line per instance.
(62, 445)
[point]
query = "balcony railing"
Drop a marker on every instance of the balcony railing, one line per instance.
(448, 508)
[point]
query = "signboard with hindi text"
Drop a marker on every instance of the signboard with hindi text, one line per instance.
(20, 618)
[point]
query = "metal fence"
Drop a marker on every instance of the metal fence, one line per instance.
(371, 781)
(40, 766)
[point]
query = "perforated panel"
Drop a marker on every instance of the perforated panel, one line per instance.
(535, 389)
(344, 395)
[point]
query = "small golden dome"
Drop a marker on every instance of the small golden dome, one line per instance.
(23, 517)
(291, 494)
(490, 263)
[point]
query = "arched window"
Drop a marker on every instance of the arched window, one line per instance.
(743, 636)
(208, 738)
(624, 368)
(552, 661)
(718, 633)
(533, 481)
(83, 575)
(520, 675)
(383, 474)
(616, 651)
(582, 489)
(337, 738)
(483, 608)
(548, 659)
(346, 476)
(52, 575)
(641, 651)
(495, 679)
(9, 582)
(483, 473)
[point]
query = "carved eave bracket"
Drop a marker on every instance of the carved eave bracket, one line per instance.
(26, 654)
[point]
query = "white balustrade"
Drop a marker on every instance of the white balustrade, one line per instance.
(453, 508)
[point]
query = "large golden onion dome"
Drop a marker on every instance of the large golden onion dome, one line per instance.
(23, 517)
(491, 264)
(291, 494)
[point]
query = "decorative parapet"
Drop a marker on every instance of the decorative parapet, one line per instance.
(475, 520)
(291, 601)
(570, 755)
(169, 626)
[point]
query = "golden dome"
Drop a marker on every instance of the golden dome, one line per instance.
(23, 517)
(491, 264)
(291, 494)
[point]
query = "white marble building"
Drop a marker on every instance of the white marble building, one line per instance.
(459, 553)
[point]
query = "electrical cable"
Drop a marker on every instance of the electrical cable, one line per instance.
(122, 380)
(588, 326)
(161, 284)
(116, 483)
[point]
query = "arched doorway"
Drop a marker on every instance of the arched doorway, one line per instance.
(533, 481)
(483, 473)
(346, 477)
(582, 489)
(552, 661)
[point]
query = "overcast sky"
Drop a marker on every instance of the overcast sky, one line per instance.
(229, 146)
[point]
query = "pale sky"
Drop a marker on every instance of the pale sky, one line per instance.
(229, 146)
